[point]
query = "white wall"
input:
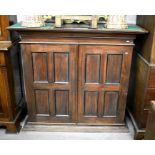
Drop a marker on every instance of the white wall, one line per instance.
(131, 19)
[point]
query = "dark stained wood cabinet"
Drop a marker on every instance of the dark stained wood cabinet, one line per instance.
(144, 72)
(11, 98)
(10, 102)
(76, 76)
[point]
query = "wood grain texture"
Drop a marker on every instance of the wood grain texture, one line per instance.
(144, 92)
(90, 103)
(148, 42)
(111, 103)
(61, 67)
(144, 86)
(139, 92)
(10, 112)
(93, 68)
(50, 62)
(114, 67)
(40, 66)
(2, 59)
(150, 128)
(150, 96)
(42, 102)
(101, 99)
(151, 81)
(78, 64)
(62, 102)
(4, 100)
(58, 63)
(4, 23)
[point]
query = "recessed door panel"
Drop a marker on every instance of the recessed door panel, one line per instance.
(92, 68)
(114, 68)
(61, 67)
(110, 103)
(90, 103)
(39, 66)
(62, 102)
(42, 102)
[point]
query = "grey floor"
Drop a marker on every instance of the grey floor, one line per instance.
(78, 133)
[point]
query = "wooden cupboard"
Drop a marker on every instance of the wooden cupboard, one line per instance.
(143, 84)
(10, 101)
(76, 76)
(10, 80)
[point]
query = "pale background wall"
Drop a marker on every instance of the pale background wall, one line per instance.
(131, 19)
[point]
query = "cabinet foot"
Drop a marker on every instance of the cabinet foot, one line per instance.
(138, 133)
(14, 126)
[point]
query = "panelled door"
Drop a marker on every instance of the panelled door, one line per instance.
(103, 82)
(50, 73)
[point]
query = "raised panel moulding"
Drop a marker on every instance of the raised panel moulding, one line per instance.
(110, 103)
(39, 67)
(90, 103)
(62, 102)
(92, 68)
(114, 68)
(42, 102)
(61, 67)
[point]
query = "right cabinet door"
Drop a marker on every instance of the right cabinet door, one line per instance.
(103, 83)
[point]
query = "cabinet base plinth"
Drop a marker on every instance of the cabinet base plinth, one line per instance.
(13, 126)
(138, 133)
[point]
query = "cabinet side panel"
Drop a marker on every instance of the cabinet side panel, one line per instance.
(151, 82)
(140, 90)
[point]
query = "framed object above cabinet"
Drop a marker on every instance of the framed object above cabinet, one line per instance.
(4, 22)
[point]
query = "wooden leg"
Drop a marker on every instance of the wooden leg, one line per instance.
(138, 133)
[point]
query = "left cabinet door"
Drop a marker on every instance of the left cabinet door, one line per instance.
(50, 77)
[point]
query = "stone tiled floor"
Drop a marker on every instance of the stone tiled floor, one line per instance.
(70, 133)
(29, 135)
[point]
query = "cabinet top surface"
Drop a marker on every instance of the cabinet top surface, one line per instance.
(132, 29)
(5, 45)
